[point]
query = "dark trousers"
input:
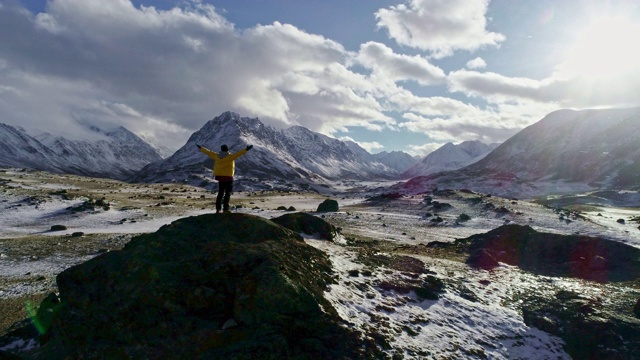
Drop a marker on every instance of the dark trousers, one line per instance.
(224, 194)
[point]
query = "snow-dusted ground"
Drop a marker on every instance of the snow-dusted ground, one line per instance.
(450, 327)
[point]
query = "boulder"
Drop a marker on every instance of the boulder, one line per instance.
(328, 205)
(464, 217)
(204, 287)
(307, 224)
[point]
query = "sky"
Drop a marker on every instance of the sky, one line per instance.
(388, 74)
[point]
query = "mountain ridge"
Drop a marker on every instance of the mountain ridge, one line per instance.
(118, 153)
(295, 156)
(567, 151)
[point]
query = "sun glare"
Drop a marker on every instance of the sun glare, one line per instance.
(606, 49)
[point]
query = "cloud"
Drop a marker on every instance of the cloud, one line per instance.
(576, 91)
(370, 146)
(163, 73)
(403, 99)
(495, 86)
(456, 129)
(477, 63)
(397, 67)
(174, 69)
(84, 53)
(424, 150)
(438, 26)
(448, 120)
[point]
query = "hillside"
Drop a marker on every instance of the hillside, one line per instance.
(566, 152)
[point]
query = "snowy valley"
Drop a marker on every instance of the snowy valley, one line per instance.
(388, 247)
(527, 250)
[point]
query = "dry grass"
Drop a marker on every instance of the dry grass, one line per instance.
(14, 309)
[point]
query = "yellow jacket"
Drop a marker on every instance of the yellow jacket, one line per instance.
(224, 163)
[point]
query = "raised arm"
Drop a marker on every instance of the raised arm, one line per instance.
(211, 154)
(241, 152)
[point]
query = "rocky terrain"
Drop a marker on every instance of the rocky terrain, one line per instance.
(442, 274)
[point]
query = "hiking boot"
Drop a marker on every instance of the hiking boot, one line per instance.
(227, 211)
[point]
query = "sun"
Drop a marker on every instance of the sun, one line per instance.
(606, 49)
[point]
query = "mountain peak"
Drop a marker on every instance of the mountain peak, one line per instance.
(450, 157)
(291, 156)
(121, 132)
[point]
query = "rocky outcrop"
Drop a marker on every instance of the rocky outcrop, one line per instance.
(549, 254)
(589, 329)
(225, 286)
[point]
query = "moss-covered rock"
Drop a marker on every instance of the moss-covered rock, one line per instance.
(169, 295)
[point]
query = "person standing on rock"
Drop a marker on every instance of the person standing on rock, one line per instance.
(224, 167)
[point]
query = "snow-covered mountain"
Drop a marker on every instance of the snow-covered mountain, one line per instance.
(567, 151)
(162, 150)
(397, 160)
(295, 155)
(450, 157)
(116, 154)
(18, 149)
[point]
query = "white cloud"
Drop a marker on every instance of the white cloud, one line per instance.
(477, 63)
(424, 150)
(495, 86)
(398, 67)
(370, 146)
(403, 100)
(181, 66)
(577, 91)
(447, 120)
(439, 26)
(458, 128)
